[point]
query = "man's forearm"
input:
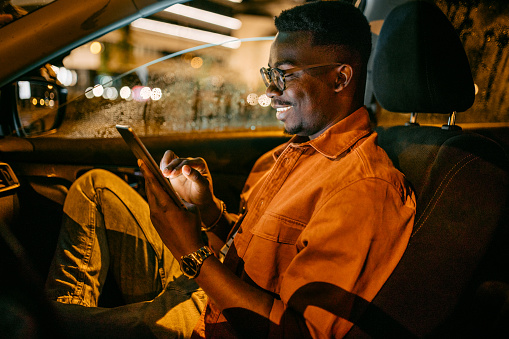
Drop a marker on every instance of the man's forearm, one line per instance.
(246, 307)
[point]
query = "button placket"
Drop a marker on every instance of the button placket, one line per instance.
(273, 183)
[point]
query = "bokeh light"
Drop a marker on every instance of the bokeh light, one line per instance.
(196, 62)
(252, 99)
(96, 47)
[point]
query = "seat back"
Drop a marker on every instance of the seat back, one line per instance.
(460, 179)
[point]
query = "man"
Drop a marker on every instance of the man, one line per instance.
(326, 216)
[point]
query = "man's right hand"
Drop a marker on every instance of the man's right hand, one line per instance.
(192, 180)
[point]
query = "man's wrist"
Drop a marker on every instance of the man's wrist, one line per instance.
(211, 224)
(190, 264)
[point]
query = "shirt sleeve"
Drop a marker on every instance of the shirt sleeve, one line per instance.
(345, 254)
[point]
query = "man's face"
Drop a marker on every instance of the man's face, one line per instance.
(305, 107)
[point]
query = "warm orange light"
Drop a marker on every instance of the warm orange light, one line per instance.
(96, 47)
(196, 62)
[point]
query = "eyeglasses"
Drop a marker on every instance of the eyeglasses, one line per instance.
(277, 75)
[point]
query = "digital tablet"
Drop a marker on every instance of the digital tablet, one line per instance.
(141, 152)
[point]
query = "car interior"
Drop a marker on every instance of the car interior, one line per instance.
(452, 281)
(458, 248)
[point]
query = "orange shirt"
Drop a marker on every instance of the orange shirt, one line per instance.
(327, 221)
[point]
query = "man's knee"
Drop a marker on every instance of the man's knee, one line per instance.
(86, 187)
(98, 178)
(95, 179)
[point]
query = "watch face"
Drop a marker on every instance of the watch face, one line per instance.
(189, 266)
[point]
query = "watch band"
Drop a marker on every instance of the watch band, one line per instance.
(190, 264)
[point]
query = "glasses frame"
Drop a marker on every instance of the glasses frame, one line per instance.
(269, 74)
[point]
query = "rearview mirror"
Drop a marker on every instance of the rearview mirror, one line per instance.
(39, 107)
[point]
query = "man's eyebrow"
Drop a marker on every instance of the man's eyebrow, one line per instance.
(283, 62)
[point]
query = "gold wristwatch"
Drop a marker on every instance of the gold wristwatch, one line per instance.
(190, 264)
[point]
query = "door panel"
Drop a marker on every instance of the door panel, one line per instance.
(46, 168)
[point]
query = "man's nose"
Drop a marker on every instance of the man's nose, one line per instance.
(273, 91)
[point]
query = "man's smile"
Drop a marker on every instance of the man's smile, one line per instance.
(281, 112)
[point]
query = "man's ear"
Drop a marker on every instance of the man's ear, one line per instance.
(344, 74)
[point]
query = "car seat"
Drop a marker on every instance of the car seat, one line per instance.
(459, 241)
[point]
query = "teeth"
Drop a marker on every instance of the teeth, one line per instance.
(283, 109)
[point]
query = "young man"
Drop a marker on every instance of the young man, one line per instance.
(326, 217)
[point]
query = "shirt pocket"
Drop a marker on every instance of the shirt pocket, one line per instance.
(271, 250)
(278, 228)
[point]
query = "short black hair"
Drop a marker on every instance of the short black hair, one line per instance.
(332, 23)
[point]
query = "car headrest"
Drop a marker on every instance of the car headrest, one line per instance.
(420, 64)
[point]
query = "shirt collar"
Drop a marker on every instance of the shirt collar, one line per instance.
(338, 138)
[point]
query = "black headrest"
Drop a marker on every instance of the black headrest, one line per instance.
(420, 64)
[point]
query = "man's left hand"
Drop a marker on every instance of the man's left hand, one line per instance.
(180, 229)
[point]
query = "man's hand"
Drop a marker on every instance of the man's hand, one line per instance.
(192, 180)
(180, 229)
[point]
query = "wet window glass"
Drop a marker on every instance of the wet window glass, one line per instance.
(208, 88)
(162, 79)
(167, 74)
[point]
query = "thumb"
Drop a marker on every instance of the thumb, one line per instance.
(195, 176)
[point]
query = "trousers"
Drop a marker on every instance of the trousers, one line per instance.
(106, 231)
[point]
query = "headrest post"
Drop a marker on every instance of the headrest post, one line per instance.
(451, 124)
(452, 119)
(413, 120)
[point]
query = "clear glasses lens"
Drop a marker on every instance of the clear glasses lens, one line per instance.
(279, 79)
(270, 75)
(265, 76)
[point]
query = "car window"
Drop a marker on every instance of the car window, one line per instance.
(165, 74)
(204, 88)
(206, 79)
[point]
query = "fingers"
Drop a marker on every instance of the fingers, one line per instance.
(174, 167)
(165, 161)
(152, 190)
(156, 195)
